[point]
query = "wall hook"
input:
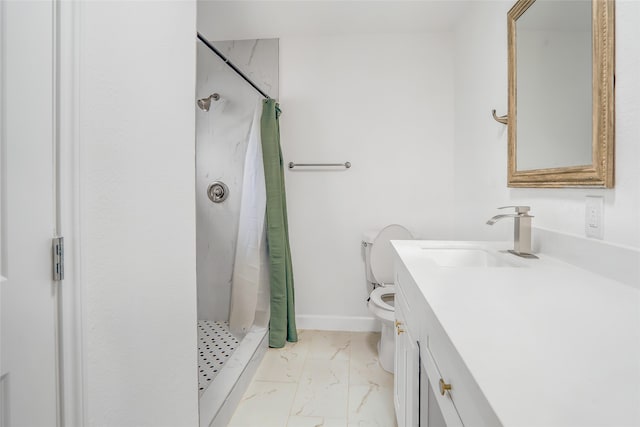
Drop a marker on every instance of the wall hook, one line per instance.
(501, 119)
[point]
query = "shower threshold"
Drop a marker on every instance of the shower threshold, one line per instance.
(227, 363)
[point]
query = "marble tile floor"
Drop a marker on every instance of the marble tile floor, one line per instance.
(329, 379)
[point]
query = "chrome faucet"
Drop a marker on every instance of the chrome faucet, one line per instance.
(521, 230)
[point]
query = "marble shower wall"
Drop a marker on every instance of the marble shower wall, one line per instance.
(221, 142)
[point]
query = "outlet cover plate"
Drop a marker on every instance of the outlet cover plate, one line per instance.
(594, 217)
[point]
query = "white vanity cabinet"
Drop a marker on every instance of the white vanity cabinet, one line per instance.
(496, 340)
(433, 388)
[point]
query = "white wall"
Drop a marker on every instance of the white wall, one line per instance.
(259, 19)
(136, 106)
(481, 143)
(384, 103)
(222, 136)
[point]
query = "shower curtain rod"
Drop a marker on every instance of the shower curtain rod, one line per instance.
(230, 64)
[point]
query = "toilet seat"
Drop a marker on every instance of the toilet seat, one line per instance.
(378, 294)
(379, 307)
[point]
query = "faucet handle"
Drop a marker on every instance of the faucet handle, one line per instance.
(519, 209)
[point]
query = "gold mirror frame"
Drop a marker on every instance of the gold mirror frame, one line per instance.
(601, 172)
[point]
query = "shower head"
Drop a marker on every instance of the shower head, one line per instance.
(205, 103)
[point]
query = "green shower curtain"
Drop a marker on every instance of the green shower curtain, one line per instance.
(282, 326)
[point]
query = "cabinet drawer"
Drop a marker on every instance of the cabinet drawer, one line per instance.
(444, 401)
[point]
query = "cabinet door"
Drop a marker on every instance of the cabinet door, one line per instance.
(430, 412)
(412, 382)
(441, 410)
(400, 374)
(407, 374)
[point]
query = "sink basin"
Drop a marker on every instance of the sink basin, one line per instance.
(468, 257)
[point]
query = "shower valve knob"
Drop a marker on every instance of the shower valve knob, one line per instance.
(217, 192)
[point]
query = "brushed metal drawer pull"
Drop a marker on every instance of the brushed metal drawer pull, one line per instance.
(444, 386)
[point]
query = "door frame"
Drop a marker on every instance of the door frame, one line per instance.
(72, 342)
(70, 334)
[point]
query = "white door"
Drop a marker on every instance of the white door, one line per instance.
(28, 294)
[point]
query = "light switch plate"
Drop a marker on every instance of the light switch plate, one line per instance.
(594, 217)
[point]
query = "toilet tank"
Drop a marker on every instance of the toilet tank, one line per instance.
(367, 242)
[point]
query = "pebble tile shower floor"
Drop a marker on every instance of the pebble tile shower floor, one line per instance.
(215, 345)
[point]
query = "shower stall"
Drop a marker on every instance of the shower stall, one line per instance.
(225, 161)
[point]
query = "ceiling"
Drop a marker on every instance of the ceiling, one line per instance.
(239, 19)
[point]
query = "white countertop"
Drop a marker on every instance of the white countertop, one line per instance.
(549, 344)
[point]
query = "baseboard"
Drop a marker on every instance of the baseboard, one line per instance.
(337, 323)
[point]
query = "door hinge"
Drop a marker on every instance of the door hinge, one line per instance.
(58, 259)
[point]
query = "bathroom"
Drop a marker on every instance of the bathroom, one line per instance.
(401, 90)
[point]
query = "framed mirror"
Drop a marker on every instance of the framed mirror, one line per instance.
(561, 93)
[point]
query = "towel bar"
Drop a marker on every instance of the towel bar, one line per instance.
(345, 165)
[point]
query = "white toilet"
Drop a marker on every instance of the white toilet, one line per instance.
(379, 268)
